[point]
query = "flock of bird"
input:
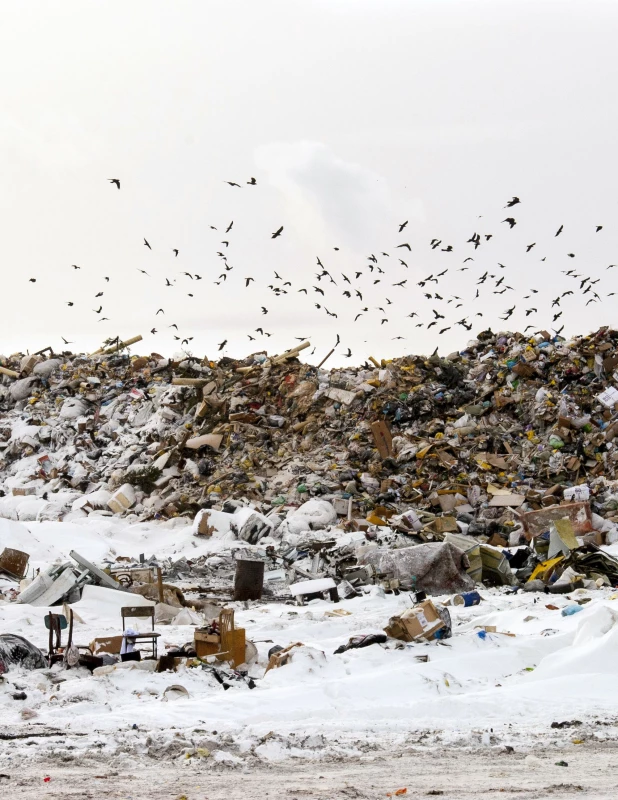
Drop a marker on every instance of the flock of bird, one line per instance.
(352, 294)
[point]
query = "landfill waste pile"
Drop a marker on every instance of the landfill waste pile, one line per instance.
(305, 553)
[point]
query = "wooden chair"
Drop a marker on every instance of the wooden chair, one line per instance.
(232, 639)
(141, 612)
(55, 624)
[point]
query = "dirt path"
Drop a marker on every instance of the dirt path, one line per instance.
(451, 775)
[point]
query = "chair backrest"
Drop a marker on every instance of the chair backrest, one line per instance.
(59, 621)
(137, 611)
(226, 626)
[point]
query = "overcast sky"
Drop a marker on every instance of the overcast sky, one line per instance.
(353, 116)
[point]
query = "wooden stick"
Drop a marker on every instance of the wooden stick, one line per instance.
(160, 584)
(328, 355)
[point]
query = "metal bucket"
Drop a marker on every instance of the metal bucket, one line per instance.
(249, 580)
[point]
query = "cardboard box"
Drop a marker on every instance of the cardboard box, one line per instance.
(382, 438)
(420, 622)
(106, 644)
(537, 522)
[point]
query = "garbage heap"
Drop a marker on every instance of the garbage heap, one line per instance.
(500, 458)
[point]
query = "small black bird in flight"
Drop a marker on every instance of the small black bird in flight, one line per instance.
(146, 244)
(403, 225)
(251, 338)
(348, 354)
(100, 294)
(143, 271)
(405, 244)
(511, 222)
(167, 282)
(75, 266)
(65, 341)
(98, 311)
(231, 183)
(529, 247)
(153, 331)
(277, 233)
(443, 330)
(559, 231)
(252, 182)
(264, 310)
(116, 181)
(32, 280)
(248, 281)
(317, 289)
(188, 274)
(229, 227)
(175, 252)
(222, 345)
(173, 325)
(599, 228)
(69, 303)
(512, 202)
(160, 311)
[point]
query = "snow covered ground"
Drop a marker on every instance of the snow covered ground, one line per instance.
(487, 690)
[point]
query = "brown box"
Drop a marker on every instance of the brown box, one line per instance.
(383, 439)
(444, 525)
(106, 644)
(420, 622)
(524, 370)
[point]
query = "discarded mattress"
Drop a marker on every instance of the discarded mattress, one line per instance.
(438, 567)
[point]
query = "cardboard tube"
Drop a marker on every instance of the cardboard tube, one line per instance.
(199, 382)
(10, 372)
(291, 353)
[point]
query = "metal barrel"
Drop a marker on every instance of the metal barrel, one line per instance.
(249, 580)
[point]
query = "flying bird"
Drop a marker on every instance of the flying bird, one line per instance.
(232, 183)
(405, 244)
(252, 182)
(511, 222)
(559, 231)
(403, 225)
(222, 345)
(146, 244)
(512, 202)
(278, 232)
(115, 181)
(175, 252)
